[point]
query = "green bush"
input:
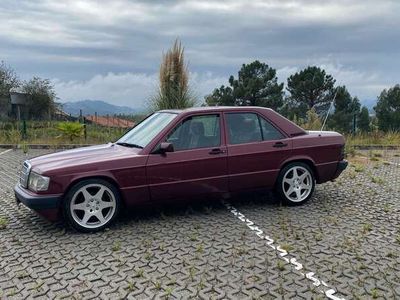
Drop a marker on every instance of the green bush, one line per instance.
(70, 130)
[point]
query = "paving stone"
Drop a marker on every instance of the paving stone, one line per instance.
(348, 234)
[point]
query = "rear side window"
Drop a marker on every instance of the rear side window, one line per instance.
(249, 128)
(269, 131)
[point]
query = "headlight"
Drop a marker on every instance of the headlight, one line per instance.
(38, 182)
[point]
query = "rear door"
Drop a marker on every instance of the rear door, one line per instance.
(198, 164)
(256, 149)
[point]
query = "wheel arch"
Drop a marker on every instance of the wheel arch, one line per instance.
(109, 179)
(306, 160)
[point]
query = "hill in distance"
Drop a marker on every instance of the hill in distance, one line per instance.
(90, 107)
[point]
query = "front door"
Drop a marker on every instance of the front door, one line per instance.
(198, 164)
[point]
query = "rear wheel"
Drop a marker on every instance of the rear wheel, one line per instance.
(91, 205)
(296, 183)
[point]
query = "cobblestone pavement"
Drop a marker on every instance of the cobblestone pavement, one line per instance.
(347, 236)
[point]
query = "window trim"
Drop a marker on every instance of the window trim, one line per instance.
(228, 142)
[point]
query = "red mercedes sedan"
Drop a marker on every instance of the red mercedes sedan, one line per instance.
(179, 154)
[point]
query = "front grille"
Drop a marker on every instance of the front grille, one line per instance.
(24, 174)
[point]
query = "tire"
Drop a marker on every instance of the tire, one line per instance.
(295, 184)
(91, 205)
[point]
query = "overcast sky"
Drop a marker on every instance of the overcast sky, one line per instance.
(111, 50)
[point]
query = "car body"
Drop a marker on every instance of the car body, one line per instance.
(185, 153)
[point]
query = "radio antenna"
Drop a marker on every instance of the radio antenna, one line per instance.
(329, 110)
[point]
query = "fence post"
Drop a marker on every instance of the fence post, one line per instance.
(23, 129)
(84, 132)
(108, 125)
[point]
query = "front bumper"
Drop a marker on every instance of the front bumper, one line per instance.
(46, 205)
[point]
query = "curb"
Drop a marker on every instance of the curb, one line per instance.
(376, 147)
(45, 146)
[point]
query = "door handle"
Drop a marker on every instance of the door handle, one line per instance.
(216, 151)
(279, 145)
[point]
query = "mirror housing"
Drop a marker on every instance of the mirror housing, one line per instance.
(166, 147)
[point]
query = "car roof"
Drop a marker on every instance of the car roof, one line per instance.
(214, 108)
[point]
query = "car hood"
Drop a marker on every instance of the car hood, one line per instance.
(81, 156)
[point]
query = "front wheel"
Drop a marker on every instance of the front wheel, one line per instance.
(296, 183)
(91, 205)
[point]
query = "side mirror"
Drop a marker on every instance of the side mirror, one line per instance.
(166, 147)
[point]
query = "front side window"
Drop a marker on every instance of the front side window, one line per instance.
(249, 128)
(142, 134)
(196, 132)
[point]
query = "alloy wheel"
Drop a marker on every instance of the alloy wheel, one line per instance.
(93, 205)
(297, 184)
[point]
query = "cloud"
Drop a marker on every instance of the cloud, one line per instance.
(119, 88)
(131, 89)
(88, 44)
(135, 89)
(364, 85)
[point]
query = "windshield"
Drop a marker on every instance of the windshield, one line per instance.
(142, 134)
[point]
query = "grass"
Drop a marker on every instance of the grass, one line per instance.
(148, 255)
(374, 294)
(366, 228)
(3, 223)
(358, 167)
(116, 246)
(287, 247)
(47, 133)
(200, 248)
(168, 291)
(131, 286)
(280, 265)
(377, 180)
(139, 273)
(157, 285)
(193, 237)
(391, 138)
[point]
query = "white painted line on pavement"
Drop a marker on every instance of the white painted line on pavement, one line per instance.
(321, 285)
(4, 152)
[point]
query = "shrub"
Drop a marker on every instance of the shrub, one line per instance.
(70, 130)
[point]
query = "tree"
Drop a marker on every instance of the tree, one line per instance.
(312, 121)
(174, 91)
(310, 88)
(256, 85)
(364, 120)
(346, 109)
(8, 81)
(41, 98)
(388, 109)
(221, 96)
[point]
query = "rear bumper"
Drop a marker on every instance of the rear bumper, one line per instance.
(341, 166)
(46, 205)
